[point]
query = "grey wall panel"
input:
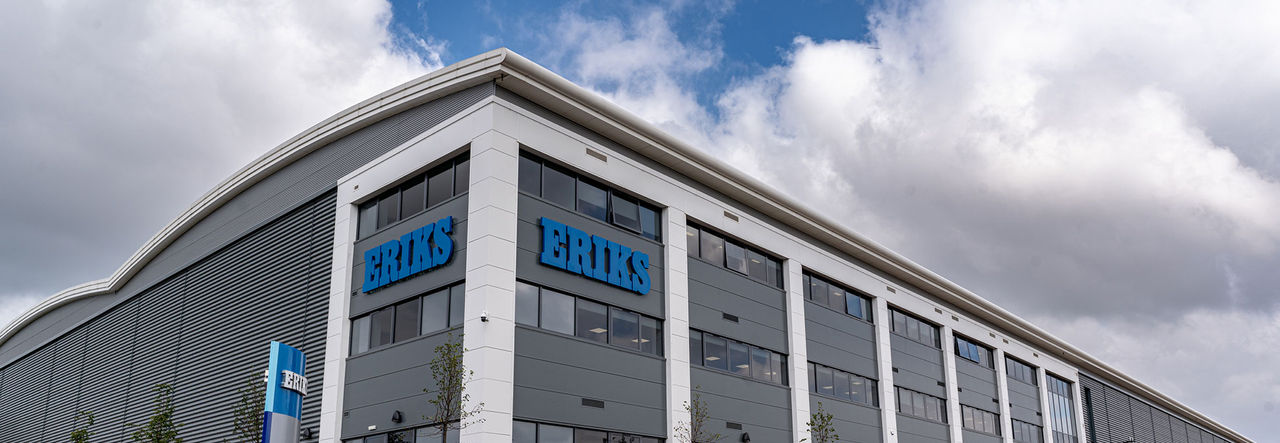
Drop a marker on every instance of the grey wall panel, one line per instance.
(919, 367)
(978, 437)
(762, 409)
(394, 378)
(1024, 401)
(452, 272)
(1161, 427)
(1178, 430)
(840, 341)
(25, 396)
(108, 367)
(715, 291)
(853, 422)
(554, 372)
(529, 268)
(64, 381)
(1118, 415)
(977, 387)
(915, 430)
(53, 324)
(1143, 427)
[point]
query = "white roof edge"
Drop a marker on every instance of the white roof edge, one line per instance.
(578, 103)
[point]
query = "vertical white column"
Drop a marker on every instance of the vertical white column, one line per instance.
(1002, 388)
(953, 391)
(1046, 419)
(798, 345)
(884, 363)
(337, 328)
(491, 279)
(1081, 431)
(677, 325)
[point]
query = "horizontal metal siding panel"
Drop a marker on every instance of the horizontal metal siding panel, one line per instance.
(919, 367)
(108, 361)
(763, 410)
(1143, 428)
(1118, 415)
(50, 325)
(978, 437)
(916, 430)
(64, 386)
(1160, 423)
(840, 341)
(853, 422)
(395, 378)
(27, 388)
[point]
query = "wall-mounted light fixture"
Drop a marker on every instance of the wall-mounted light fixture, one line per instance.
(396, 417)
(746, 437)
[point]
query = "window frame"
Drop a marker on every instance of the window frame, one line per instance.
(691, 227)
(704, 337)
(866, 303)
(374, 202)
(580, 179)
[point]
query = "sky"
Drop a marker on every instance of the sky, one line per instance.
(1108, 170)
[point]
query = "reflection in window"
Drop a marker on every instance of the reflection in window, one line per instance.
(415, 195)
(558, 187)
(528, 432)
(712, 248)
(380, 326)
(388, 208)
(735, 257)
(715, 352)
(570, 315)
(973, 352)
(730, 254)
(557, 312)
(1024, 432)
(530, 176)
(593, 201)
(439, 185)
(526, 304)
(1020, 371)
(739, 363)
(575, 193)
(979, 420)
(841, 299)
(626, 213)
(921, 405)
(592, 321)
(1061, 418)
(408, 319)
(624, 328)
(915, 328)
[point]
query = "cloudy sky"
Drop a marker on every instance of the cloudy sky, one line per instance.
(1110, 170)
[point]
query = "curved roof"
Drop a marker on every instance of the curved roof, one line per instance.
(520, 75)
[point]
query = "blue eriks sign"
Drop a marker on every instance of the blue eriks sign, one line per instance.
(421, 250)
(286, 385)
(572, 250)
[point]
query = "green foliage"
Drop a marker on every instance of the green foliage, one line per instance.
(160, 428)
(695, 429)
(453, 409)
(80, 432)
(247, 412)
(822, 427)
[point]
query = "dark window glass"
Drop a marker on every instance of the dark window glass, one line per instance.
(759, 364)
(842, 385)
(735, 257)
(777, 368)
(853, 305)
(557, 312)
(773, 272)
(806, 283)
(826, 381)
(585, 436)
(430, 434)
(819, 290)
(858, 389)
(716, 352)
(650, 336)
(624, 328)
(435, 311)
(530, 176)
(407, 320)
(836, 301)
(593, 321)
(739, 359)
(388, 208)
(554, 434)
(380, 438)
(462, 176)
(368, 219)
(626, 213)
(360, 335)
(649, 223)
(523, 431)
(921, 405)
(691, 240)
(413, 196)
(558, 187)
(813, 378)
(380, 326)
(456, 305)
(439, 185)
(400, 437)
(712, 248)
(593, 201)
(526, 304)
(1020, 371)
(756, 266)
(695, 348)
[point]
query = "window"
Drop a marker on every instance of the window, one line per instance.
(573, 192)
(529, 432)
(715, 352)
(1024, 432)
(921, 405)
(547, 309)
(1061, 418)
(1020, 371)
(831, 295)
(715, 249)
(914, 328)
(411, 318)
(426, 434)
(973, 352)
(843, 385)
(415, 195)
(975, 419)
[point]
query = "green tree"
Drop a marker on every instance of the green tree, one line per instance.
(80, 432)
(695, 429)
(453, 408)
(822, 427)
(160, 428)
(247, 412)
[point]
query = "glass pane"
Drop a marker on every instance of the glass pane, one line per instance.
(819, 290)
(439, 185)
(360, 335)
(837, 298)
(773, 273)
(585, 436)
(400, 437)
(554, 434)
(557, 312)
(625, 211)
(523, 431)
(649, 332)
(899, 323)
(756, 267)
(407, 317)
(557, 187)
(380, 326)
(913, 329)
(381, 438)
(760, 364)
(593, 200)
(691, 240)
(776, 368)
(826, 381)
(739, 359)
(526, 304)
(695, 348)
(918, 407)
(462, 175)
(716, 352)
(813, 378)
(712, 248)
(853, 305)
(735, 257)
(806, 286)
(624, 329)
(456, 305)
(593, 321)
(782, 367)
(368, 219)
(858, 389)
(842, 385)
(429, 435)
(530, 176)
(435, 312)
(413, 196)
(649, 223)
(873, 393)
(388, 208)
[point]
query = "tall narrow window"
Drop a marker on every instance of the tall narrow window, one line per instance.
(649, 223)
(593, 321)
(716, 352)
(735, 258)
(1061, 414)
(557, 312)
(558, 187)
(593, 201)
(530, 175)
(526, 304)
(626, 213)
(435, 311)
(456, 305)
(368, 219)
(650, 336)
(739, 360)
(413, 196)
(712, 248)
(380, 326)
(439, 185)
(388, 208)
(461, 176)
(407, 317)
(624, 328)
(691, 240)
